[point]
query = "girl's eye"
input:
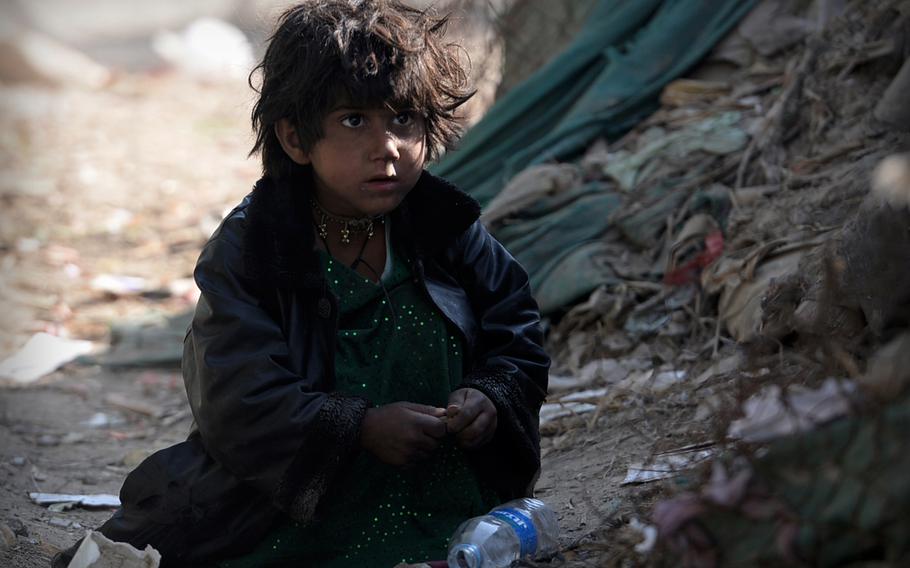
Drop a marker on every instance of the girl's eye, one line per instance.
(404, 118)
(352, 121)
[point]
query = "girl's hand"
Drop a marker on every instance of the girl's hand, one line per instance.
(402, 433)
(472, 417)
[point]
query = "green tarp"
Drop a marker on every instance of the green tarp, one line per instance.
(561, 235)
(602, 85)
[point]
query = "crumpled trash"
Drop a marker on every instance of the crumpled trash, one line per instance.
(773, 412)
(833, 496)
(609, 370)
(654, 315)
(572, 404)
(668, 464)
(98, 551)
(746, 281)
(719, 134)
(651, 381)
(648, 534)
(530, 186)
(700, 232)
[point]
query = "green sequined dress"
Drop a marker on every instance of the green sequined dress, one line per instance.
(393, 345)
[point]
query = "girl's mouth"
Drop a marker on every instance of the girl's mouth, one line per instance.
(382, 183)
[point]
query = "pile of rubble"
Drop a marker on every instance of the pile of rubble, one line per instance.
(755, 256)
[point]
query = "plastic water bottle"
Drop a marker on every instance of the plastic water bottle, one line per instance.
(514, 530)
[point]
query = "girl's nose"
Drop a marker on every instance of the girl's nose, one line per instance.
(386, 148)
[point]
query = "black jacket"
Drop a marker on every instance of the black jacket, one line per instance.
(259, 370)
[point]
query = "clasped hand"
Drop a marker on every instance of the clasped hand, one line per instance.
(405, 433)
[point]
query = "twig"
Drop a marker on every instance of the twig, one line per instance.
(716, 347)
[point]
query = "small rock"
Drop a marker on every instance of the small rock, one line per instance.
(60, 522)
(18, 461)
(7, 537)
(48, 440)
(72, 438)
(18, 527)
(37, 475)
(103, 420)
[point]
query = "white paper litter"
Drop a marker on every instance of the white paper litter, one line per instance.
(651, 381)
(583, 395)
(98, 500)
(668, 464)
(725, 365)
(771, 413)
(119, 285)
(98, 551)
(43, 354)
(607, 370)
(648, 534)
(553, 410)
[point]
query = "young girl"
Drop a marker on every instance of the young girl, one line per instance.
(364, 366)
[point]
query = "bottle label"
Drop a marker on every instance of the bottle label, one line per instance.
(523, 526)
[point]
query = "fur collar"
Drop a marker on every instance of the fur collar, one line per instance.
(278, 242)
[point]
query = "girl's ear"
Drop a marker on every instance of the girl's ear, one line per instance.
(290, 142)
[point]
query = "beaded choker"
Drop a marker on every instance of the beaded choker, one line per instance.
(348, 224)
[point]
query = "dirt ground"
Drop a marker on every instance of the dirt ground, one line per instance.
(124, 181)
(129, 180)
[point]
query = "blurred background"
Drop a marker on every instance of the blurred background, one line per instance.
(124, 132)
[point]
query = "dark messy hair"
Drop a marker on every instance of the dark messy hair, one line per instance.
(365, 52)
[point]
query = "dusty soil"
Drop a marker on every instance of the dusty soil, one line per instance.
(49, 447)
(125, 181)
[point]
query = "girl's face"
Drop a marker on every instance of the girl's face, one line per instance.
(367, 160)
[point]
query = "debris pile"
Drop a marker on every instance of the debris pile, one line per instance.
(751, 245)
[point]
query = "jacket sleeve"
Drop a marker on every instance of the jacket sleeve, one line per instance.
(256, 416)
(510, 366)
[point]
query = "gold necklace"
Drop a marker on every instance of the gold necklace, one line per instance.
(348, 224)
